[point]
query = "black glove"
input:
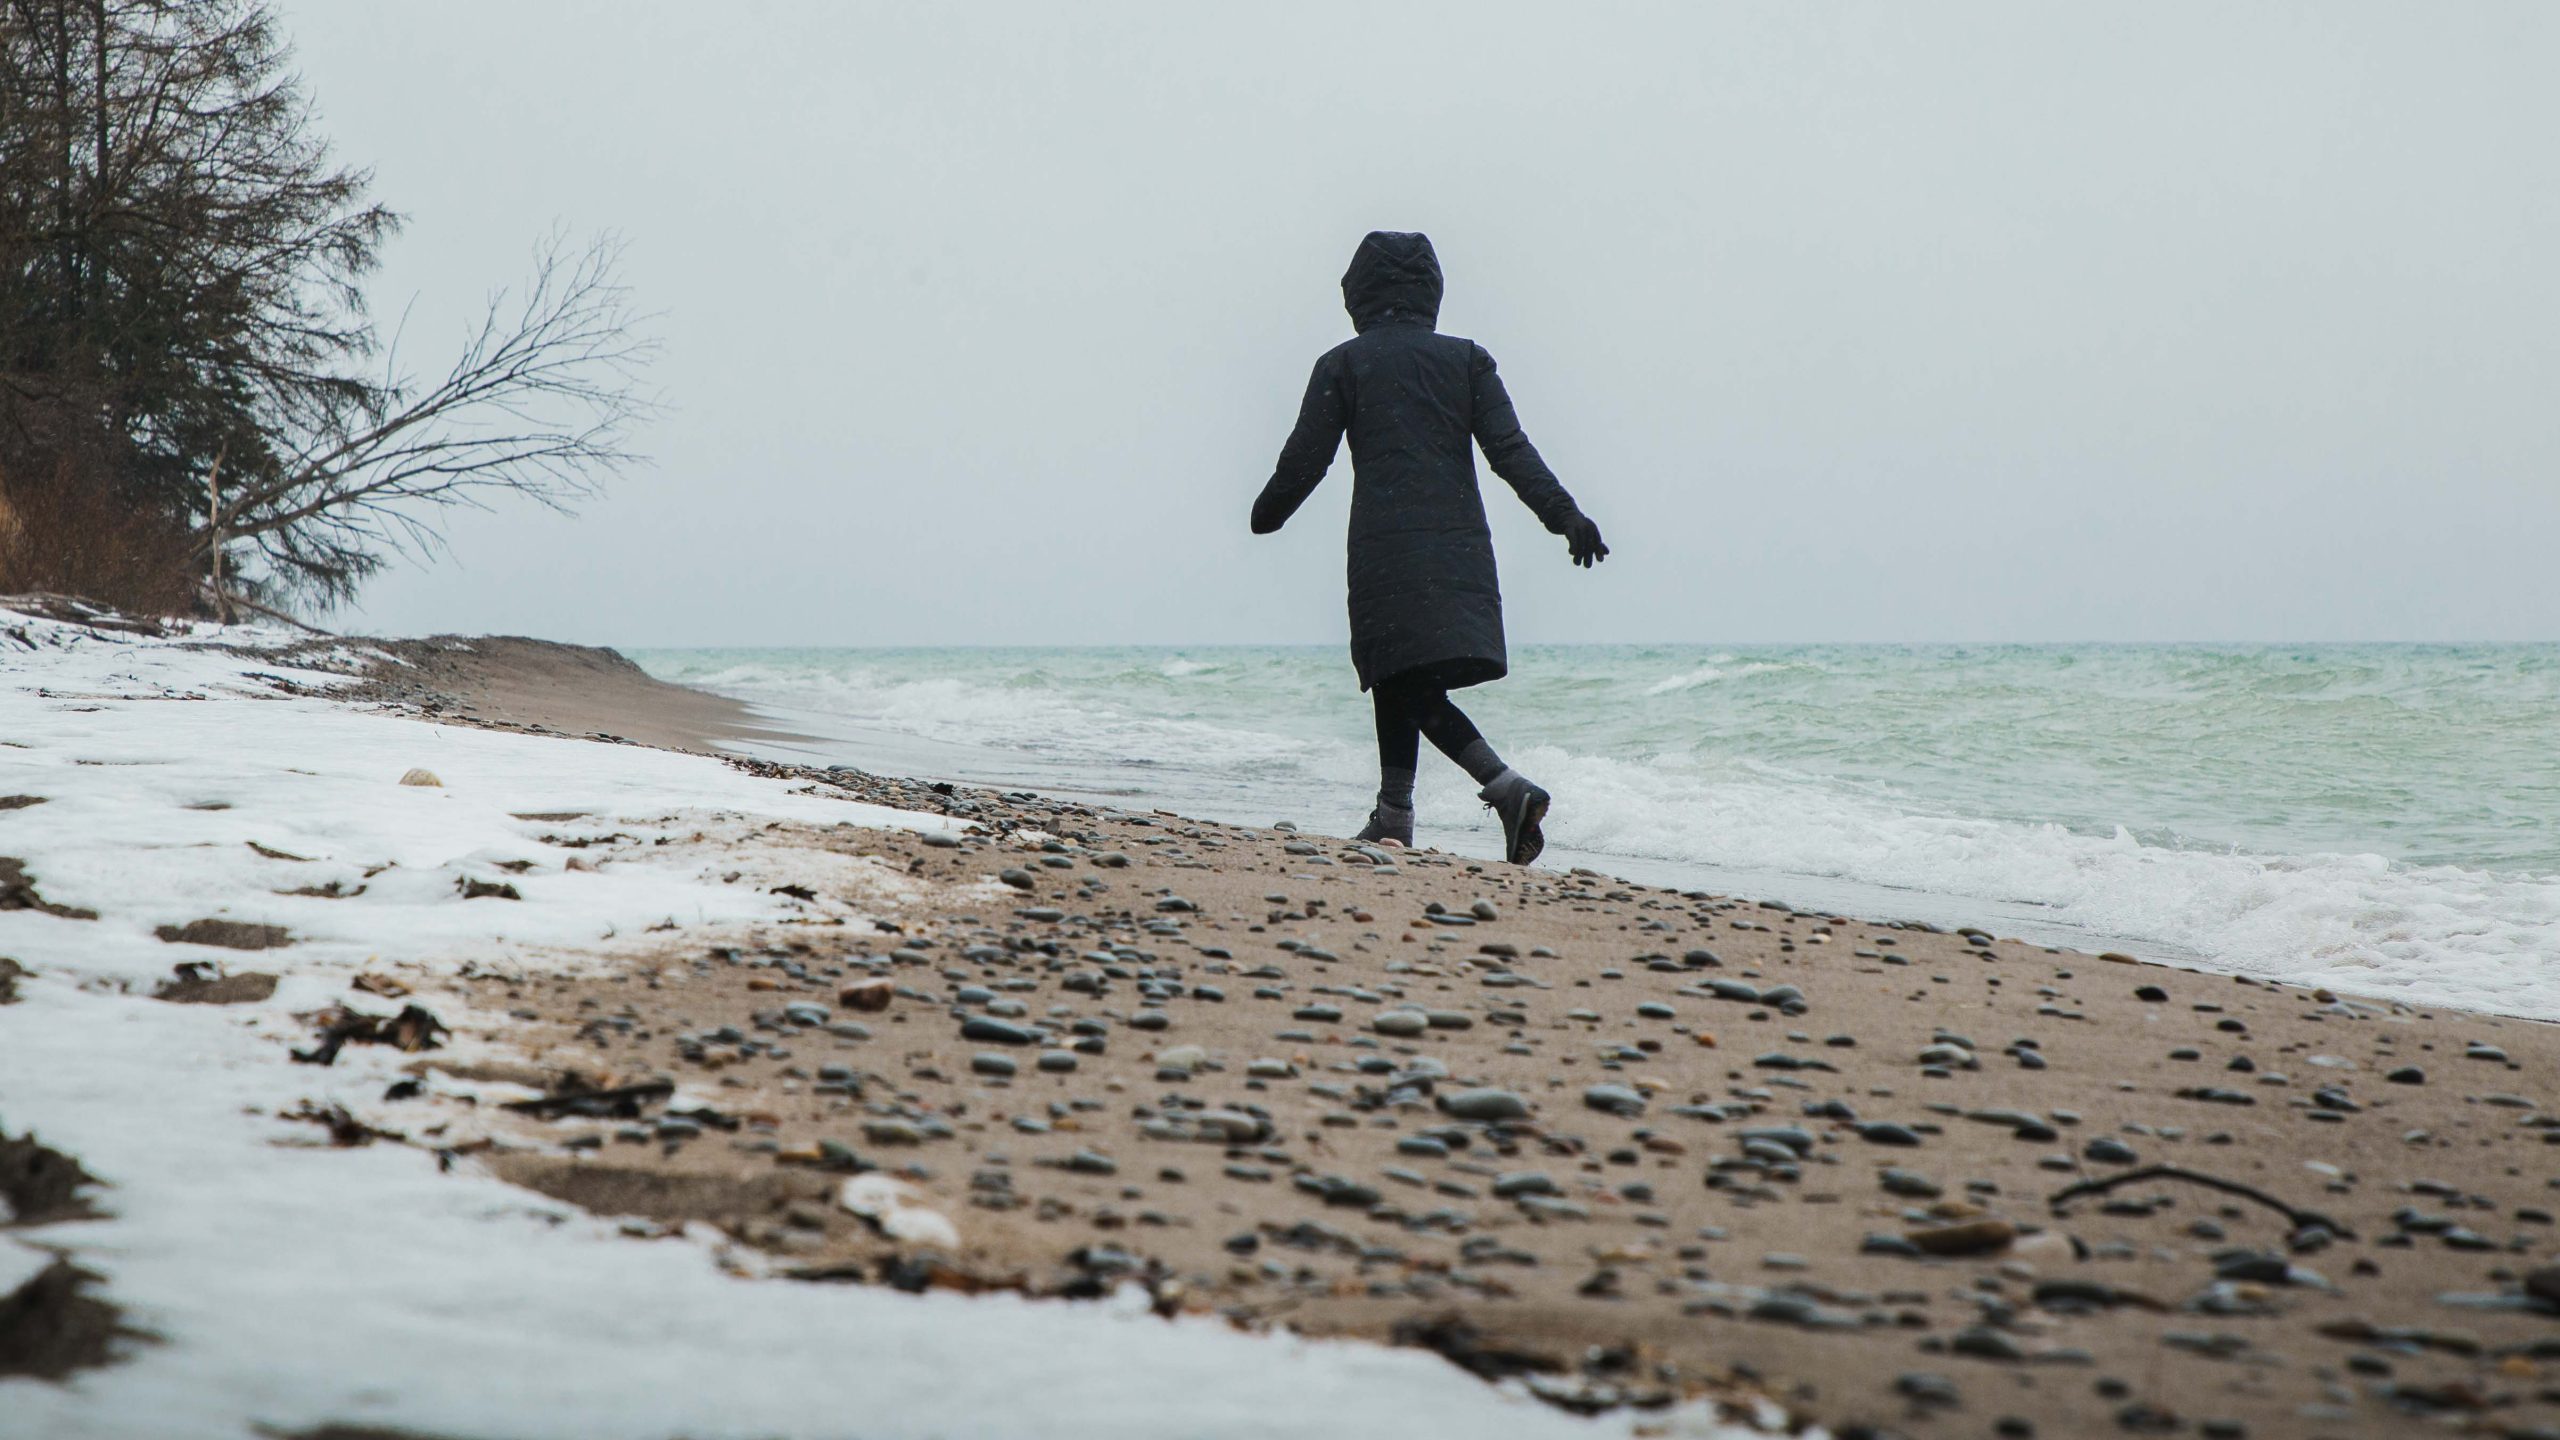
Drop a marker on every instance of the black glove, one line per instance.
(1583, 538)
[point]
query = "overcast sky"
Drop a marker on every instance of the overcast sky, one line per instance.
(984, 323)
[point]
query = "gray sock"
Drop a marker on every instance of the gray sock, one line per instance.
(1395, 791)
(1479, 761)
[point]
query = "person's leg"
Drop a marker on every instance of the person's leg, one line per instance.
(1399, 752)
(1454, 735)
(1517, 800)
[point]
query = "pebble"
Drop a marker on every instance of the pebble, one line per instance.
(2018, 1120)
(982, 1027)
(1794, 1139)
(1338, 1190)
(990, 1062)
(1781, 1060)
(1485, 1104)
(1400, 1022)
(1614, 1100)
(1057, 1060)
(867, 995)
(1231, 1127)
(1925, 1389)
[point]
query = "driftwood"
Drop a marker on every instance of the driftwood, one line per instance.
(2298, 1218)
(227, 598)
(622, 1101)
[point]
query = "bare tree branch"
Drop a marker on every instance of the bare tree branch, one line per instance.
(539, 404)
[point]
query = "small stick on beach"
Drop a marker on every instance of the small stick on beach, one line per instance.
(2298, 1218)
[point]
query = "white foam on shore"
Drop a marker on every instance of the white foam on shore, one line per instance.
(1029, 718)
(291, 1284)
(2423, 934)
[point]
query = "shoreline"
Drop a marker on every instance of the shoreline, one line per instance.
(1628, 1145)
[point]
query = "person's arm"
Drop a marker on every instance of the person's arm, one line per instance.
(1309, 451)
(1507, 448)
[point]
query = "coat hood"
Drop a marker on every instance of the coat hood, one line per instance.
(1394, 279)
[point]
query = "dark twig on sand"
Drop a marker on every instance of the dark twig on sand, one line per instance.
(623, 1101)
(2299, 1219)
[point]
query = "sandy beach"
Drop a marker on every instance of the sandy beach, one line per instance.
(1621, 1145)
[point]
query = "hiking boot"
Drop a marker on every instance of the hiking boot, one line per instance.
(1521, 804)
(1384, 831)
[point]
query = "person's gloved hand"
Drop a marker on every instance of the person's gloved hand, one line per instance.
(1582, 536)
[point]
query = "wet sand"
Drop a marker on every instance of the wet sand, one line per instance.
(1630, 1143)
(543, 687)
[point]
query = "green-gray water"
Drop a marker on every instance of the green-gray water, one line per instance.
(2384, 818)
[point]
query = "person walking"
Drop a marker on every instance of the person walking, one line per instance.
(1426, 607)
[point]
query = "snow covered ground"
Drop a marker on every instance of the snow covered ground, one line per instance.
(291, 1284)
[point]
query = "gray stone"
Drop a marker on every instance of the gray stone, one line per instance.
(1623, 1100)
(1484, 1104)
(1525, 1182)
(999, 1032)
(2107, 1150)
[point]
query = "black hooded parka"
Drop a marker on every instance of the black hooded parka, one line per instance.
(1425, 604)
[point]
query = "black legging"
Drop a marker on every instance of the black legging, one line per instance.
(1408, 710)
